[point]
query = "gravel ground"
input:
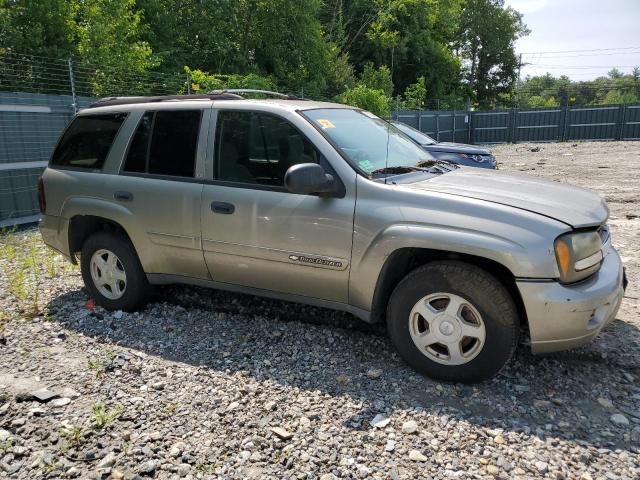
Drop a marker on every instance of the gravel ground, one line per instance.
(206, 384)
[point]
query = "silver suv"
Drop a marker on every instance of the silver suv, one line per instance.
(331, 206)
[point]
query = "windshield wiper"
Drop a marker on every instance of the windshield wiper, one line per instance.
(434, 162)
(396, 170)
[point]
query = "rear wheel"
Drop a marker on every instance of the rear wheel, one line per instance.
(112, 272)
(453, 321)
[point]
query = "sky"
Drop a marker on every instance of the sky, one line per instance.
(582, 39)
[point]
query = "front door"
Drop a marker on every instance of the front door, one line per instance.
(257, 234)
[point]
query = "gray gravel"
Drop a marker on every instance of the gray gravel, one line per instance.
(206, 384)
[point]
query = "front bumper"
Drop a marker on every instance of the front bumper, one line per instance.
(566, 316)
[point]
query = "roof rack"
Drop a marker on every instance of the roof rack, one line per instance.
(230, 94)
(240, 91)
(110, 101)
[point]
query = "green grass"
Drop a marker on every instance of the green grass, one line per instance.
(26, 263)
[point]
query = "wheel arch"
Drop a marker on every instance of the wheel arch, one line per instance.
(404, 260)
(82, 227)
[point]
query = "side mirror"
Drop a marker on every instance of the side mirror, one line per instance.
(306, 178)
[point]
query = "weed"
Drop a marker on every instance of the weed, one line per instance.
(97, 366)
(102, 417)
(74, 435)
(9, 252)
(6, 445)
(169, 409)
(4, 321)
(18, 284)
(205, 468)
(50, 263)
(33, 262)
(52, 466)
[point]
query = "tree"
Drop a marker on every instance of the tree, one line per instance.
(487, 36)
(361, 96)
(278, 38)
(34, 27)
(377, 78)
(415, 95)
(109, 42)
(202, 82)
(413, 36)
(550, 91)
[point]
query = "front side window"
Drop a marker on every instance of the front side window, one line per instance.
(87, 141)
(165, 143)
(258, 148)
(366, 140)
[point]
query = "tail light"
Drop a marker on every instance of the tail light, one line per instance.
(42, 200)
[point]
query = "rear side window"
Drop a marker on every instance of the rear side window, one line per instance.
(86, 143)
(165, 143)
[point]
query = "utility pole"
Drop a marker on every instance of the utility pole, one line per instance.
(518, 81)
(72, 83)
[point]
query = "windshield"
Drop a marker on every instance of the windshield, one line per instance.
(366, 140)
(416, 135)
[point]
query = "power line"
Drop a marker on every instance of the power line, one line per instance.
(583, 50)
(579, 66)
(582, 54)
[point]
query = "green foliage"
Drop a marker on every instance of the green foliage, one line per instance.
(374, 101)
(455, 49)
(549, 91)
(23, 265)
(36, 27)
(202, 82)
(486, 39)
(377, 78)
(102, 416)
(620, 97)
(415, 95)
(109, 42)
(73, 434)
(97, 366)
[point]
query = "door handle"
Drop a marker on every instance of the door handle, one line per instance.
(223, 208)
(123, 196)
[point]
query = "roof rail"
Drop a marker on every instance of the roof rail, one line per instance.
(110, 101)
(240, 91)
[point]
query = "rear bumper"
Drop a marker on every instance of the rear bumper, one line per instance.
(54, 231)
(566, 316)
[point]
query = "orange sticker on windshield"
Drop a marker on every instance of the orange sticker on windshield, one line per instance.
(326, 123)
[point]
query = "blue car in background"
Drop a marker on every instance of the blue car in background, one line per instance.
(458, 153)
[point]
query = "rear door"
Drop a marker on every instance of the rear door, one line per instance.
(159, 185)
(257, 234)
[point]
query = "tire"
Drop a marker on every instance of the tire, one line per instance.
(128, 294)
(486, 311)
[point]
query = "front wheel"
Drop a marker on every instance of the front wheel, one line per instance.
(453, 321)
(112, 272)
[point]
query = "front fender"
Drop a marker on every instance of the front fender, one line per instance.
(521, 260)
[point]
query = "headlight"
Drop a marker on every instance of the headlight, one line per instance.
(579, 255)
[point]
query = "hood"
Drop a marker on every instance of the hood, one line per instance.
(575, 206)
(457, 148)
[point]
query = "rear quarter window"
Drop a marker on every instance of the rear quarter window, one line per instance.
(87, 141)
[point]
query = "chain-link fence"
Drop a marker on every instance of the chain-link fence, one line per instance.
(39, 95)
